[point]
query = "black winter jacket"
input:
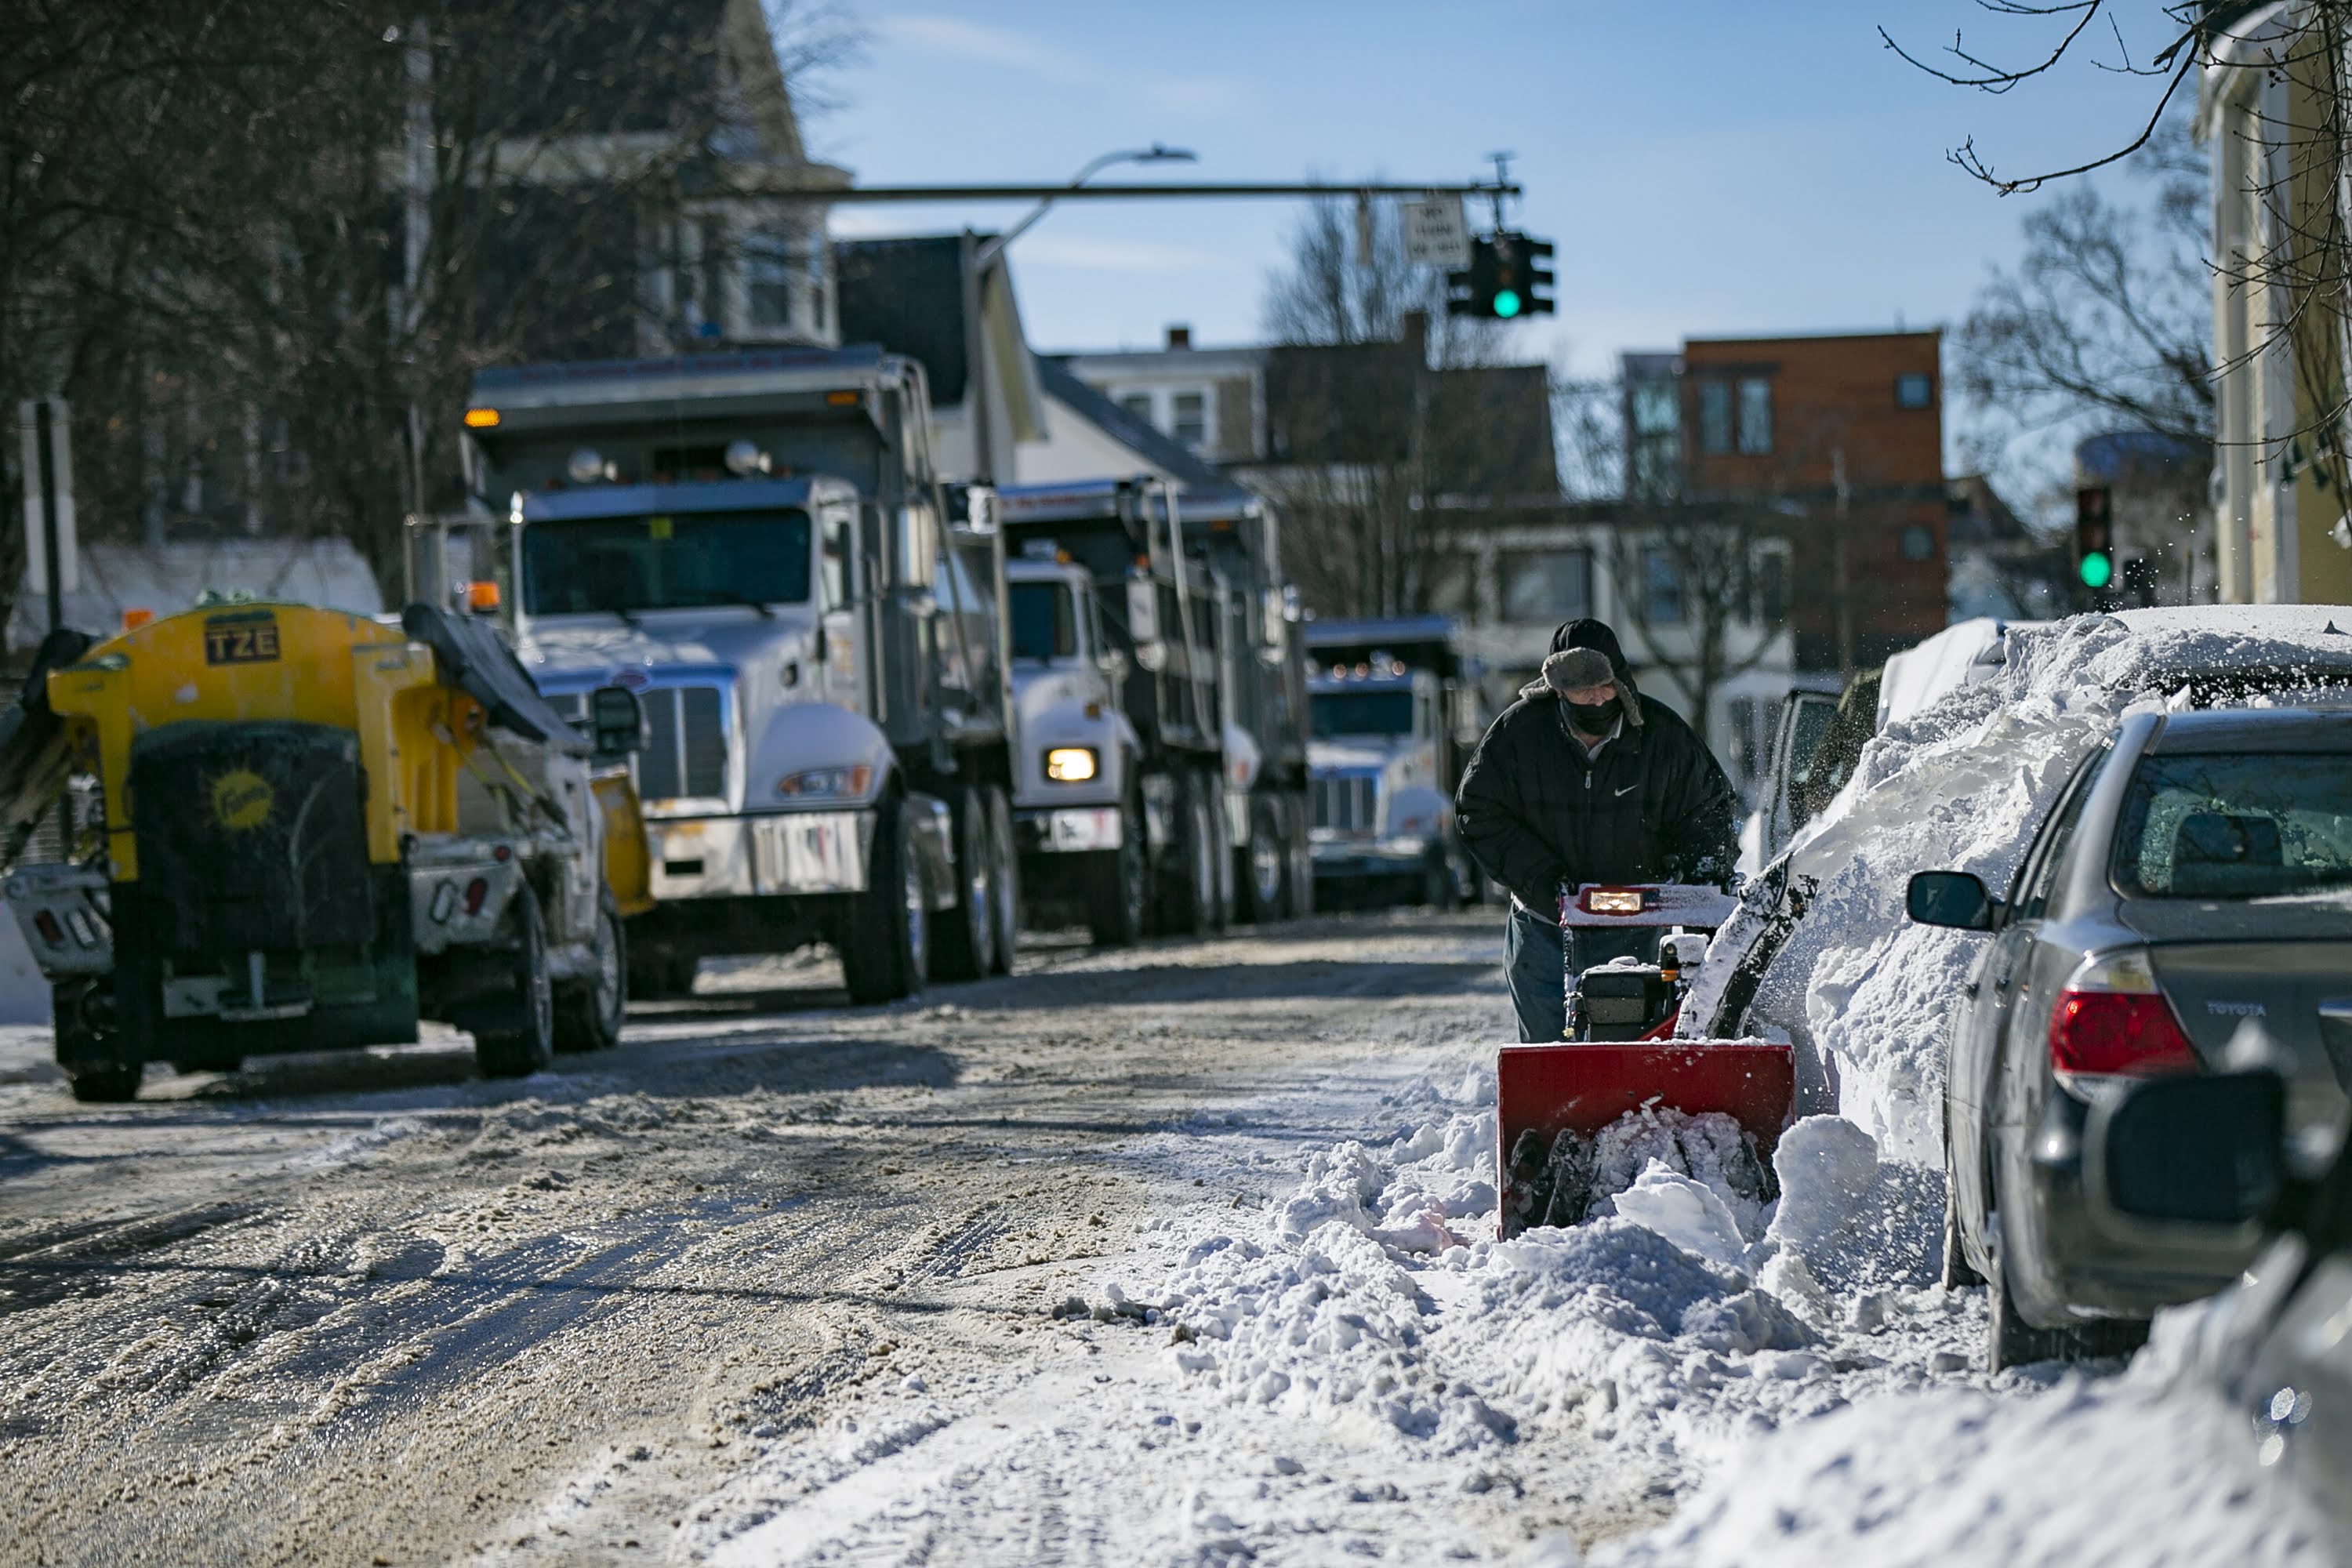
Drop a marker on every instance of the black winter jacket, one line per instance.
(1654, 806)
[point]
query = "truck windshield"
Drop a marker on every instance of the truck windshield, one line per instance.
(1045, 621)
(682, 561)
(2239, 826)
(1337, 713)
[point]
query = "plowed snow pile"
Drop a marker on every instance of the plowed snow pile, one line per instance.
(1861, 991)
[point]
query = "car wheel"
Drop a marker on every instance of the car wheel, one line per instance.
(589, 1014)
(1959, 1273)
(522, 1041)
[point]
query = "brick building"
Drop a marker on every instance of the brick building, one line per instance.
(1839, 437)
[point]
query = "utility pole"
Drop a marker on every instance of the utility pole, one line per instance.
(44, 446)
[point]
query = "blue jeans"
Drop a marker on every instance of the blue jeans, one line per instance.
(1535, 963)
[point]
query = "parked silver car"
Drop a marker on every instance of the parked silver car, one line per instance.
(2187, 906)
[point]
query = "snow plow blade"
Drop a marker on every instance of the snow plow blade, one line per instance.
(1580, 1088)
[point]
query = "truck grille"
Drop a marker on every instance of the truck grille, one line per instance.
(1348, 804)
(686, 740)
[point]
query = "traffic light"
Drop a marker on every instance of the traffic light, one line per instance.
(2094, 544)
(1470, 290)
(1507, 278)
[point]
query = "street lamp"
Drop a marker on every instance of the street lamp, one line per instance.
(1155, 153)
(978, 258)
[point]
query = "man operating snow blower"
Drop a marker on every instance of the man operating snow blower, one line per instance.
(1584, 780)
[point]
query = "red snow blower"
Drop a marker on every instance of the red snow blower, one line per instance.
(1617, 1055)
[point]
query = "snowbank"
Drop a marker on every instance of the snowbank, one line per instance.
(1962, 785)
(2147, 1470)
(1375, 1300)
(1791, 1370)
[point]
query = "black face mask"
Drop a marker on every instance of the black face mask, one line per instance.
(1592, 717)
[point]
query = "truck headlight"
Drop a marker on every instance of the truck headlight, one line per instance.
(826, 783)
(1070, 765)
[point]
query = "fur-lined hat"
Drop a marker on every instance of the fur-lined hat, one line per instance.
(1578, 668)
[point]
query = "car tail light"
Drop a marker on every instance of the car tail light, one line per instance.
(476, 892)
(2112, 1021)
(46, 923)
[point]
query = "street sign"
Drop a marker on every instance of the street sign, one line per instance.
(46, 452)
(1434, 233)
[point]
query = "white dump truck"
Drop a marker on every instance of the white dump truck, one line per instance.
(758, 545)
(1388, 708)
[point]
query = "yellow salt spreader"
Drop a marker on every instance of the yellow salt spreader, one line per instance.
(307, 830)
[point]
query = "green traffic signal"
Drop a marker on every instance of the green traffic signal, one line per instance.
(1507, 302)
(2097, 570)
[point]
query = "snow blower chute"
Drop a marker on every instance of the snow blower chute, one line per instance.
(1618, 1057)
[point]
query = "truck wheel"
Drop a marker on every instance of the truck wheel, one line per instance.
(886, 938)
(967, 938)
(1265, 890)
(520, 1038)
(656, 975)
(589, 1014)
(1188, 895)
(88, 1046)
(1222, 891)
(1006, 911)
(1437, 883)
(1302, 865)
(1119, 884)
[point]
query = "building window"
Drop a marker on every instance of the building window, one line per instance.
(1754, 416)
(1662, 588)
(1914, 389)
(1715, 416)
(1546, 584)
(1918, 542)
(1189, 418)
(1654, 418)
(1653, 409)
(1138, 403)
(768, 263)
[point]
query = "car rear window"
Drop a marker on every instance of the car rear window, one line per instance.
(2198, 825)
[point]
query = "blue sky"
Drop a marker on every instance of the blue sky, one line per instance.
(1703, 168)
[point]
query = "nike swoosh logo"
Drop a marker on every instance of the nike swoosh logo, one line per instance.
(1629, 789)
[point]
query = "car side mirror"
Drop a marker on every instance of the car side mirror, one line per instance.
(1953, 898)
(617, 722)
(2205, 1150)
